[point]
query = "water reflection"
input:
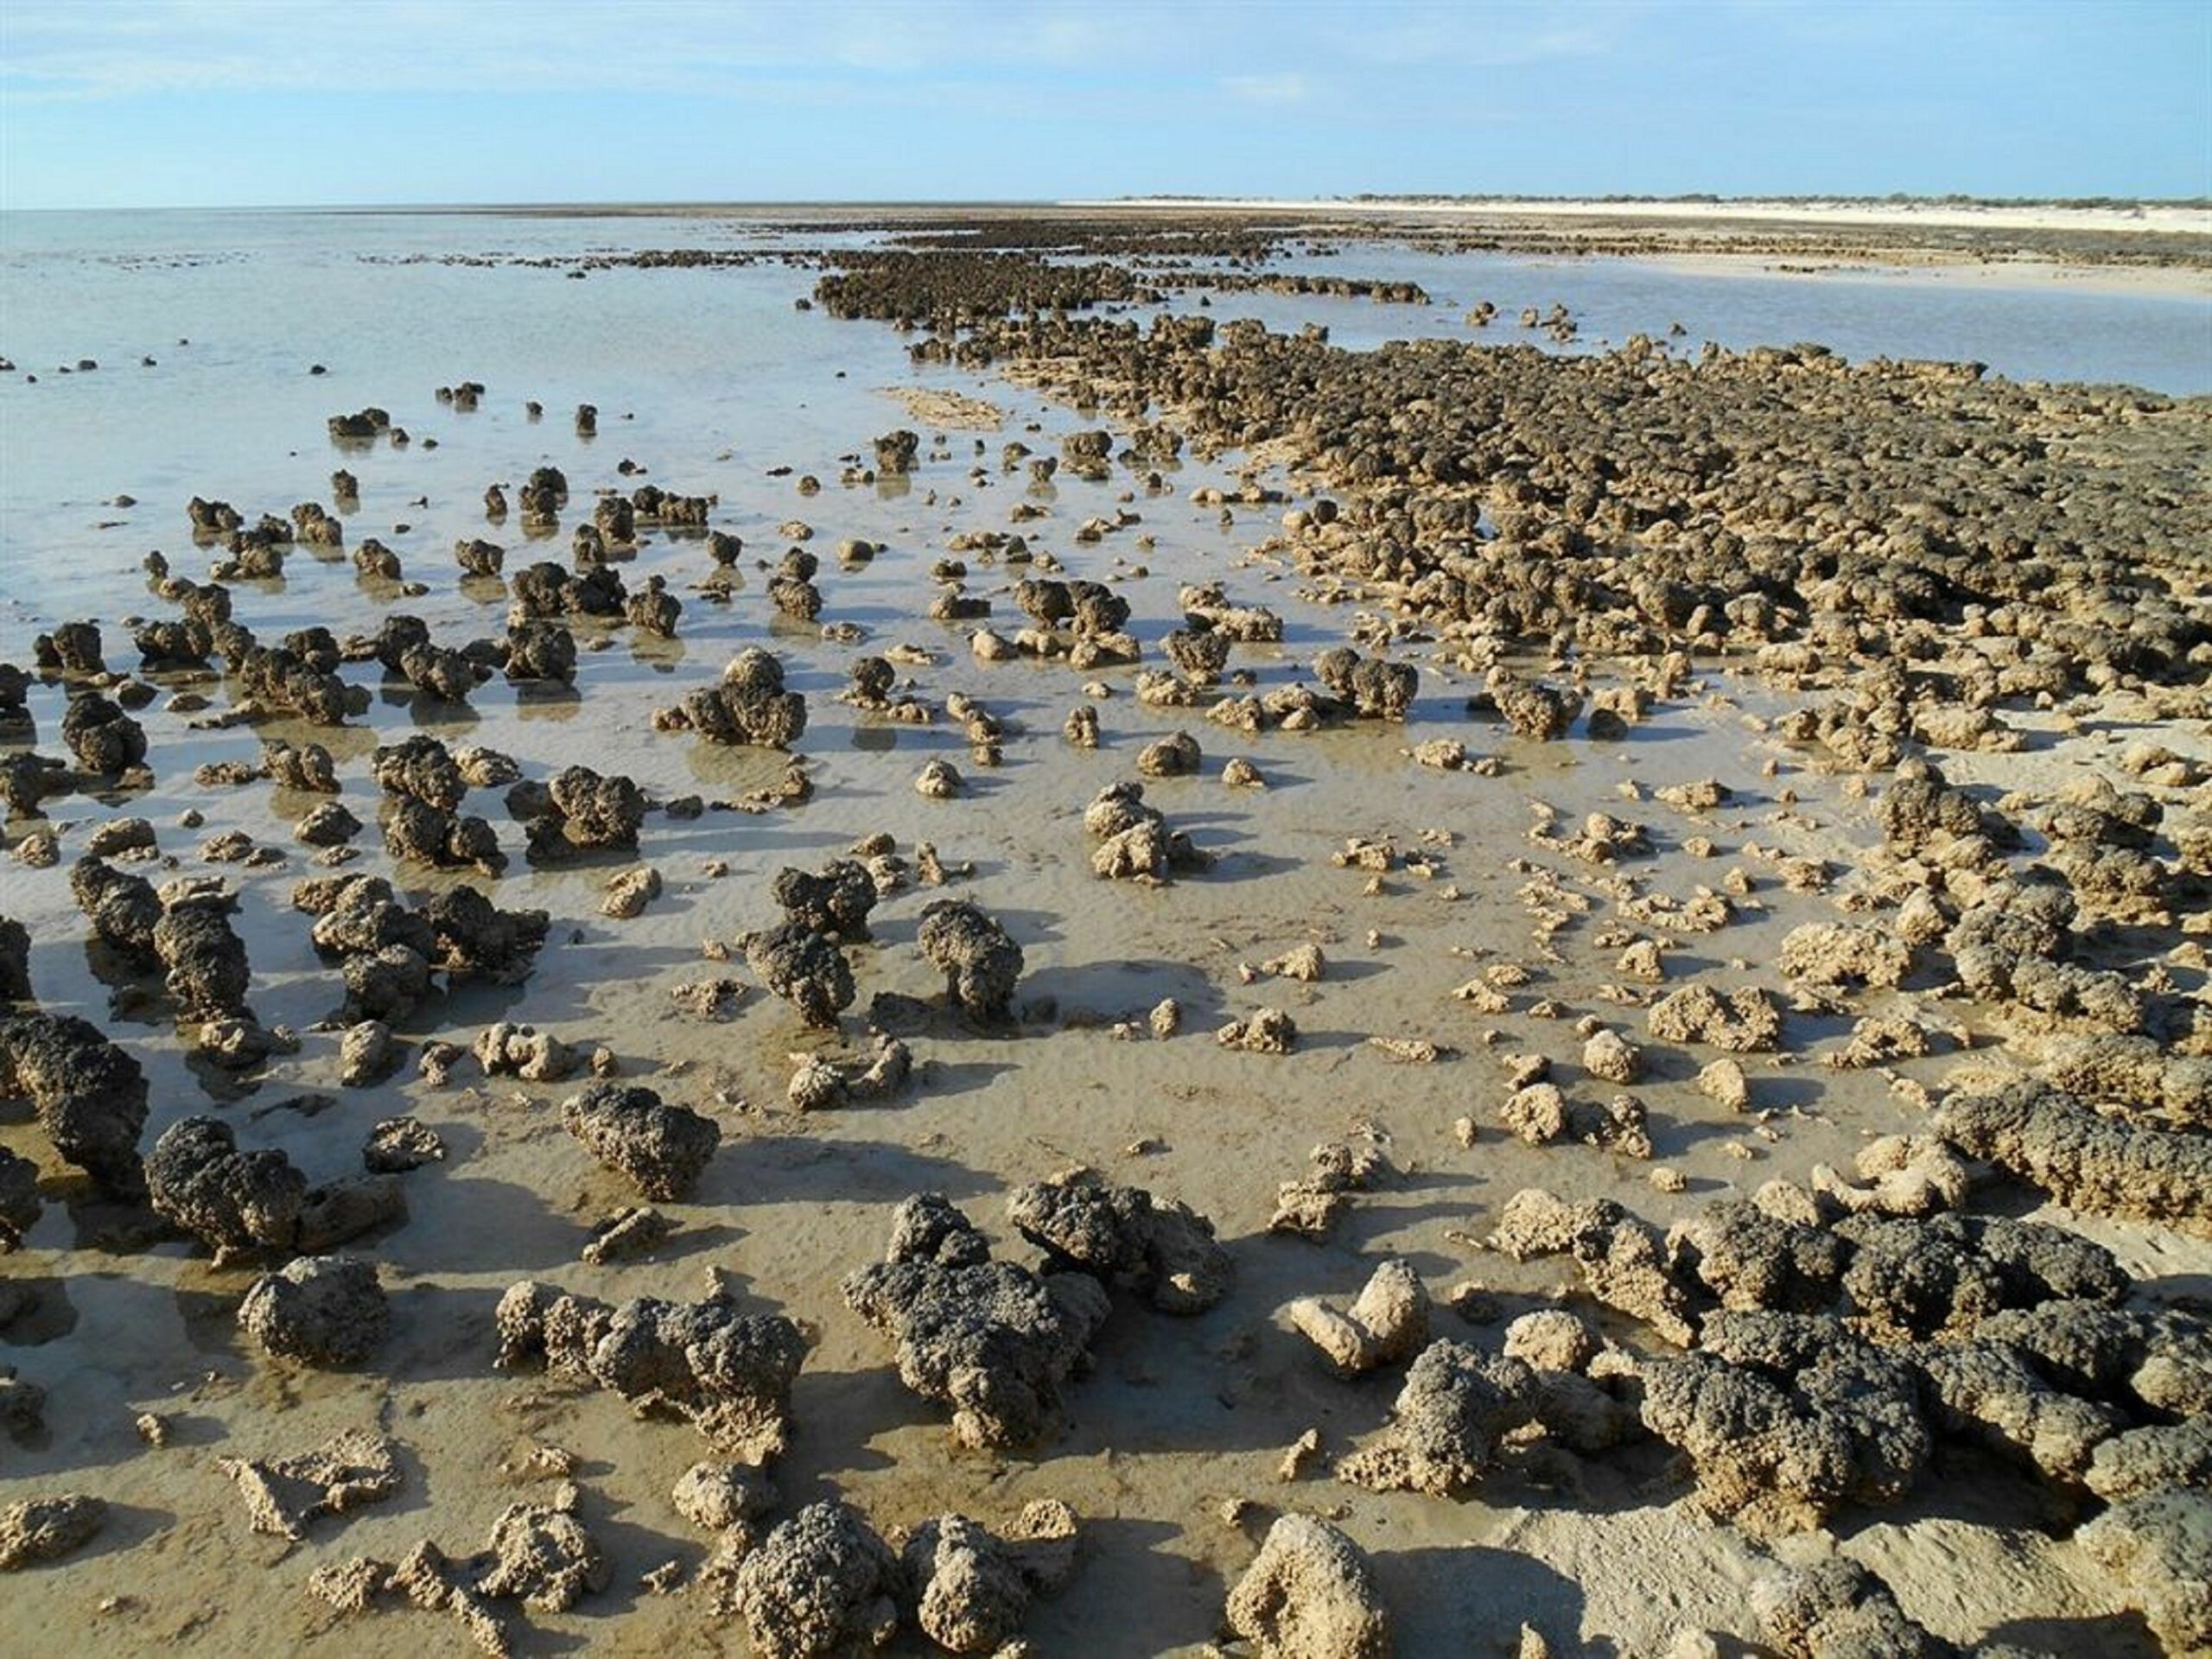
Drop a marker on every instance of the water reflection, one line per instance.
(440, 716)
(547, 700)
(661, 656)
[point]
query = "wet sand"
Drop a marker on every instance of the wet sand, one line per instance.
(2177, 280)
(1172, 1440)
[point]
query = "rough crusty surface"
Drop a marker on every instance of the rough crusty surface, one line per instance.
(1456, 1405)
(394, 1145)
(979, 959)
(1785, 1417)
(538, 1553)
(1623, 1262)
(2145, 1460)
(15, 961)
(1552, 1339)
(1750, 1259)
(2010, 945)
(123, 908)
(1944, 1276)
(1837, 1609)
(1387, 1322)
(749, 706)
(820, 1585)
(819, 1082)
(367, 1053)
(505, 1049)
(320, 1310)
(2153, 1360)
(20, 1204)
(1532, 708)
(836, 900)
(233, 1202)
(1165, 1249)
(628, 1128)
(1992, 1392)
(47, 1528)
(2140, 1073)
(1906, 1175)
(596, 810)
(543, 1557)
(1534, 1223)
(1309, 1594)
(729, 1374)
(1746, 1021)
(971, 1587)
(2082, 1158)
(2160, 1544)
(345, 1471)
(805, 968)
(89, 1095)
(421, 767)
(992, 1340)
(723, 1496)
(1844, 954)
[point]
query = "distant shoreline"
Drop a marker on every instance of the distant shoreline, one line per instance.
(2149, 248)
(2185, 217)
(2169, 219)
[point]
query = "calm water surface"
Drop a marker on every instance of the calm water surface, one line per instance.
(710, 376)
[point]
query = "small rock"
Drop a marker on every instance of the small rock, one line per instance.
(1309, 1594)
(629, 892)
(1724, 1081)
(367, 1054)
(321, 1310)
(47, 1528)
(398, 1144)
(938, 781)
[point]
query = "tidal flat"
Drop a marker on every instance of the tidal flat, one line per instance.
(1135, 932)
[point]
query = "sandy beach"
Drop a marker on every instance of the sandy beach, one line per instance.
(2097, 249)
(2149, 218)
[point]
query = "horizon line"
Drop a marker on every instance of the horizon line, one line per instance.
(1367, 198)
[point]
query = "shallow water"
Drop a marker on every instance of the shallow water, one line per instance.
(2038, 331)
(709, 376)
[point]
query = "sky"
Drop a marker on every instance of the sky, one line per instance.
(224, 102)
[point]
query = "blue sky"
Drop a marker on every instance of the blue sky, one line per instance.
(157, 103)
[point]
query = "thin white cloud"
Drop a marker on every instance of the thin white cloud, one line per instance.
(99, 48)
(1285, 88)
(1499, 34)
(125, 48)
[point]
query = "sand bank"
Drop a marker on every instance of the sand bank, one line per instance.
(2149, 218)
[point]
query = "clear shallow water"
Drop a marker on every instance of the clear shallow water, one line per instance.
(710, 376)
(2037, 332)
(711, 364)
